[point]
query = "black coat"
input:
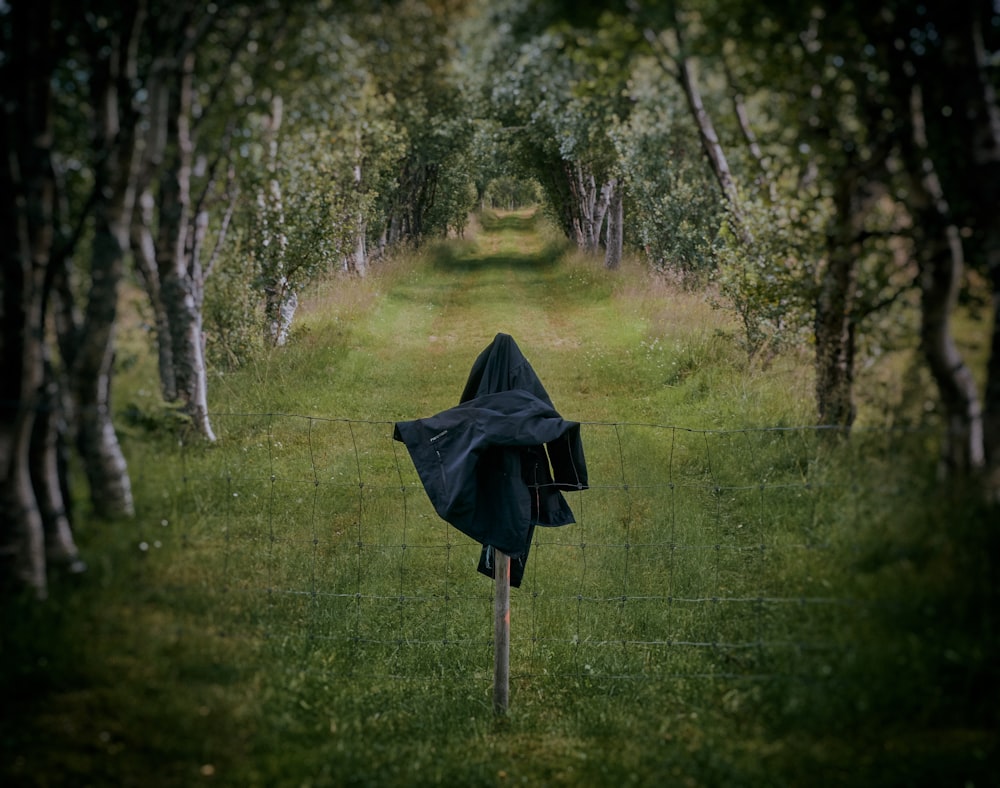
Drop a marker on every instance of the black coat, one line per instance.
(494, 465)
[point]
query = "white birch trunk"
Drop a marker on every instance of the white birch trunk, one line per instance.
(359, 260)
(942, 266)
(686, 73)
(601, 207)
(280, 299)
(616, 219)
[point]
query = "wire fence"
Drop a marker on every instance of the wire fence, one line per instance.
(695, 553)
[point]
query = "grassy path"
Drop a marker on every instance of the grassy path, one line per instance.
(509, 279)
(607, 345)
(402, 344)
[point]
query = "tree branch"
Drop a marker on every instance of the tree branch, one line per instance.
(224, 227)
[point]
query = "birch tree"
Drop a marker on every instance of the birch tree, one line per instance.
(944, 88)
(44, 234)
(671, 48)
(821, 93)
(27, 195)
(113, 77)
(917, 80)
(68, 205)
(185, 179)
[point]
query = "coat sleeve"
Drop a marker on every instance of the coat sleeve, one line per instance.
(445, 452)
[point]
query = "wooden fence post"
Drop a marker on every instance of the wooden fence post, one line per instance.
(501, 633)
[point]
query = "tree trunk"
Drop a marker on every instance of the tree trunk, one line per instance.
(616, 221)
(27, 192)
(586, 208)
(144, 243)
(587, 194)
(685, 71)
(91, 372)
(49, 475)
(709, 137)
(941, 261)
(22, 543)
(764, 180)
(834, 332)
(414, 197)
(114, 179)
(936, 146)
(180, 287)
(991, 399)
(834, 316)
(358, 259)
(107, 473)
(986, 155)
(144, 254)
(280, 298)
(574, 220)
(940, 281)
(601, 208)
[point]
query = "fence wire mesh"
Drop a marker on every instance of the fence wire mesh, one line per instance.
(695, 553)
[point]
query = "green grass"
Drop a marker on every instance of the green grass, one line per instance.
(736, 605)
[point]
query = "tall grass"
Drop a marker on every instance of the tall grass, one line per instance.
(743, 600)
